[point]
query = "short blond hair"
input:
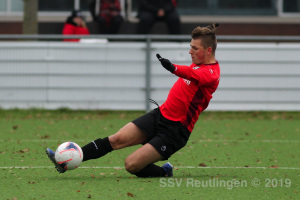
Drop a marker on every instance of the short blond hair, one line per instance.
(207, 35)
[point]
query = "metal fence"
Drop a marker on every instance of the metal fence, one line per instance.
(257, 72)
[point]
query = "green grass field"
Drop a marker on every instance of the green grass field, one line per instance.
(230, 155)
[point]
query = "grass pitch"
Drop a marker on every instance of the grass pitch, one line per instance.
(230, 155)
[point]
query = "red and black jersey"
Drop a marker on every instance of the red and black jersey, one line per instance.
(191, 93)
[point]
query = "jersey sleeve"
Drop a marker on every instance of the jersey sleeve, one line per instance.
(200, 75)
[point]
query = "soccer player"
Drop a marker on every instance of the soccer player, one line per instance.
(166, 129)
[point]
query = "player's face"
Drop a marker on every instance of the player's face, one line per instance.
(198, 52)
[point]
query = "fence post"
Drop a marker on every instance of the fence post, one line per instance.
(148, 73)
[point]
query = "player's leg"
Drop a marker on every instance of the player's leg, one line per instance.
(142, 157)
(136, 132)
(141, 162)
(129, 135)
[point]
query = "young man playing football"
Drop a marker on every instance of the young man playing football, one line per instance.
(166, 129)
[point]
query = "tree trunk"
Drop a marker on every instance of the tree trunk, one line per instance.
(30, 21)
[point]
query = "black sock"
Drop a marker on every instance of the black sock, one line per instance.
(96, 149)
(151, 171)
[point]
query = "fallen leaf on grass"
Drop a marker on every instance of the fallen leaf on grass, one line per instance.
(45, 136)
(23, 151)
(130, 194)
(202, 165)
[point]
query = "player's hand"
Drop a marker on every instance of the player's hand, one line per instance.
(166, 63)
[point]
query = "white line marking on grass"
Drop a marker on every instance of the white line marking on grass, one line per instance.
(183, 167)
(45, 140)
(215, 167)
(48, 167)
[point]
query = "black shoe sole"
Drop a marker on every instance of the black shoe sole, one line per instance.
(57, 167)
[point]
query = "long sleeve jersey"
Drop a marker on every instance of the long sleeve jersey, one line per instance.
(191, 93)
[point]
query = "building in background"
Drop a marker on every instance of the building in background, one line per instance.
(241, 17)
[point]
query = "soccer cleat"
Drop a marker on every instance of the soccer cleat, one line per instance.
(168, 168)
(51, 156)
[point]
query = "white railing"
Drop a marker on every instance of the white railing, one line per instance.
(123, 73)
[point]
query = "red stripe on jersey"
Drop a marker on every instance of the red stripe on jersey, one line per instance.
(191, 93)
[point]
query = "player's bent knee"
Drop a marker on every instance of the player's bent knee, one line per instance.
(131, 166)
(114, 141)
(117, 141)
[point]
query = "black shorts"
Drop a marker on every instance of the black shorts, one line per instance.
(164, 135)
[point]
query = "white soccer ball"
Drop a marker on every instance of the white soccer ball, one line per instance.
(69, 155)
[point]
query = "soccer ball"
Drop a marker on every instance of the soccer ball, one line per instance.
(69, 155)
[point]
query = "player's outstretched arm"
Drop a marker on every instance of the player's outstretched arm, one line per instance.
(166, 63)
